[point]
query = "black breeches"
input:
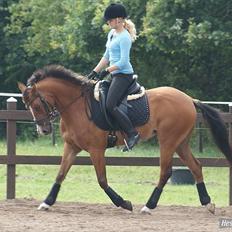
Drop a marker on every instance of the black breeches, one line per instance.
(118, 87)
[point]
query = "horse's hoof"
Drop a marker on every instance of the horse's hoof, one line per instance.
(145, 210)
(127, 205)
(211, 208)
(43, 206)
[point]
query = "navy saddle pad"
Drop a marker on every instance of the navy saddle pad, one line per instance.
(136, 109)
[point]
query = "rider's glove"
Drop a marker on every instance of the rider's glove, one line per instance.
(103, 74)
(93, 75)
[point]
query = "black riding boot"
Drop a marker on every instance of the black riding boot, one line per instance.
(126, 125)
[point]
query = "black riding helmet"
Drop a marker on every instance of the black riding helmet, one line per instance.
(115, 11)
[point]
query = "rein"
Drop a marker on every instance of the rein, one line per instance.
(73, 101)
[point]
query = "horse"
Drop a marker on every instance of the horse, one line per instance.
(54, 90)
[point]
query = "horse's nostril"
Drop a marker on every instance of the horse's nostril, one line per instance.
(45, 131)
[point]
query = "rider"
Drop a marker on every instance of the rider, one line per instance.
(117, 58)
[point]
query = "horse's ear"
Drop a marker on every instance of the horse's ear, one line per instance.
(21, 86)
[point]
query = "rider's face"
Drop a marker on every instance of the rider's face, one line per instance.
(111, 23)
(114, 23)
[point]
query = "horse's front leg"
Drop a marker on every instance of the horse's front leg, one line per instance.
(98, 161)
(66, 163)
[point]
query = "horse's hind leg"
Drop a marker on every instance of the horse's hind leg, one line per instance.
(194, 165)
(66, 163)
(98, 161)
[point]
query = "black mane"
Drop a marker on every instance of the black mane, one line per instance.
(59, 72)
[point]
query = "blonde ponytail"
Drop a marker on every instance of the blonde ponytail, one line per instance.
(130, 26)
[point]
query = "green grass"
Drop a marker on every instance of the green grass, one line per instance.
(133, 183)
(43, 146)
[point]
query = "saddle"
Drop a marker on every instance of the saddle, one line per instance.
(134, 104)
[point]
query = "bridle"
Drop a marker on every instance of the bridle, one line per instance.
(51, 111)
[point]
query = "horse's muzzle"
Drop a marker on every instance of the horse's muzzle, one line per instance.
(45, 129)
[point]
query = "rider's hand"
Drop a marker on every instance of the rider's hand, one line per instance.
(93, 75)
(103, 74)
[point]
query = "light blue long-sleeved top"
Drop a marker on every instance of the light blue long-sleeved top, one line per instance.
(118, 51)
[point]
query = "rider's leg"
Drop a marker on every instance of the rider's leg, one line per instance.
(117, 90)
(126, 125)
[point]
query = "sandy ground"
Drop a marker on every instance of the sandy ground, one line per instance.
(23, 216)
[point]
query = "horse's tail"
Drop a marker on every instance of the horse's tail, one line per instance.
(217, 127)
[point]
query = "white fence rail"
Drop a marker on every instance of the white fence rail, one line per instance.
(207, 102)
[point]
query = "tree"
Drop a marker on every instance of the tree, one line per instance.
(195, 36)
(182, 43)
(66, 28)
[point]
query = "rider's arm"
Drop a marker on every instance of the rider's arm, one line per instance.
(102, 64)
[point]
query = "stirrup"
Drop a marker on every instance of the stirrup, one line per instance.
(126, 148)
(129, 147)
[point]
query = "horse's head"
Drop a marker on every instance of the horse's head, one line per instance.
(41, 107)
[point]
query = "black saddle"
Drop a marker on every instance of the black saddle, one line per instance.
(136, 109)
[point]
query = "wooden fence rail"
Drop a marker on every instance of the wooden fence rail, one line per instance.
(11, 115)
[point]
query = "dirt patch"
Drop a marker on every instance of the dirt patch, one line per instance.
(23, 216)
